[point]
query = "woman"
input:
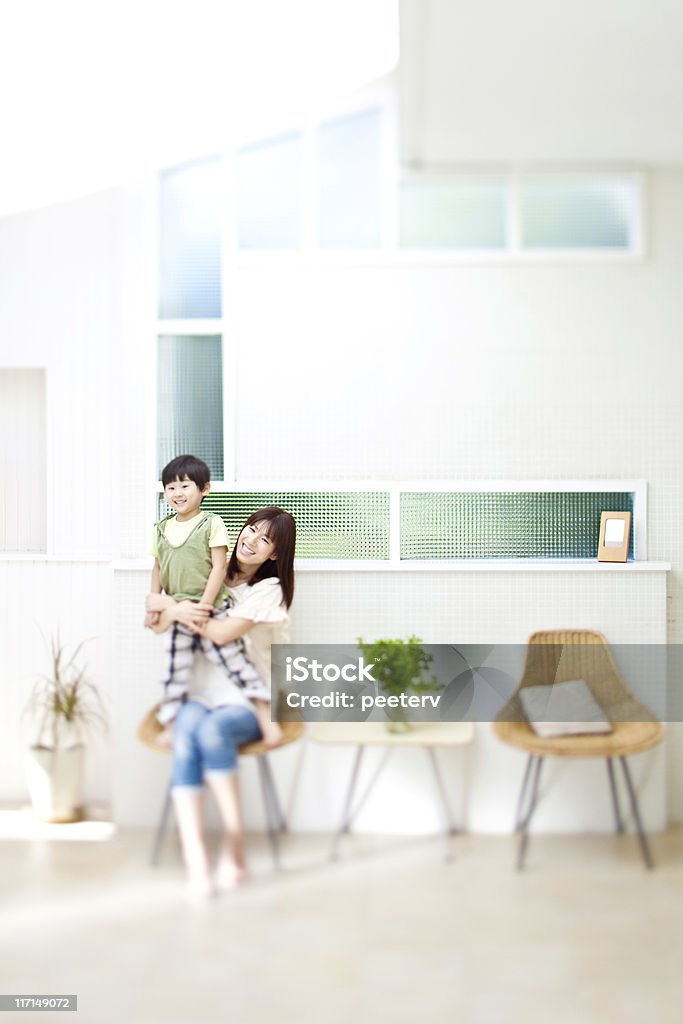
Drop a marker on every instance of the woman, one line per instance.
(218, 717)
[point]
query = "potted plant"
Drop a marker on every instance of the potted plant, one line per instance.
(399, 667)
(65, 707)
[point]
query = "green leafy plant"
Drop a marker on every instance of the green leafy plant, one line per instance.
(65, 704)
(399, 665)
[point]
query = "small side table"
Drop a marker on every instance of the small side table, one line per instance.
(428, 736)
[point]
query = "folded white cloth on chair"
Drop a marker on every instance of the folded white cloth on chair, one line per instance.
(563, 709)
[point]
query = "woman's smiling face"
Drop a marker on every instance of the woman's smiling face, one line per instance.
(254, 546)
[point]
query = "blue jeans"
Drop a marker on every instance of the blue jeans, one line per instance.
(206, 740)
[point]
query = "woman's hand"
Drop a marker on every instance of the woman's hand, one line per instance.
(158, 602)
(191, 615)
(202, 619)
(188, 613)
(152, 619)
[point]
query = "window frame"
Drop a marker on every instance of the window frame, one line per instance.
(394, 488)
(377, 97)
(390, 253)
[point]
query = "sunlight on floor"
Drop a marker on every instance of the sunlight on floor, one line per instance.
(21, 823)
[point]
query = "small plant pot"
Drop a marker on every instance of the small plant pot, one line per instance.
(398, 726)
(397, 721)
(55, 782)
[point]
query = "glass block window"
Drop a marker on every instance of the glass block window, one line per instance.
(190, 241)
(441, 212)
(506, 525)
(269, 194)
(190, 399)
(349, 181)
(348, 525)
(584, 213)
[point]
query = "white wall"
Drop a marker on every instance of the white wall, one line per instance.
(584, 81)
(461, 371)
(62, 277)
(504, 370)
(23, 460)
(60, 273)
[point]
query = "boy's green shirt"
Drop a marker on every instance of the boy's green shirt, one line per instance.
(184, 570)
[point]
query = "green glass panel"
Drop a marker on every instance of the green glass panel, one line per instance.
(452, 214)
(190, 400)
(581, 214)
(506, 525)
(347, 525)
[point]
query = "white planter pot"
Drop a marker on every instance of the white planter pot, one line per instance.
(55, 782)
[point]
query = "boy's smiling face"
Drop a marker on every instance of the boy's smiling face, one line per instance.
(184, 497)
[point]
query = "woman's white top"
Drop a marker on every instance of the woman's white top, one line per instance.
(262, 604)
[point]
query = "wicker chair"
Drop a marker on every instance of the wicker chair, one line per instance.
(555, 657)
(148, 734)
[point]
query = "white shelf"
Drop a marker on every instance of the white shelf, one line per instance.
(448, 565)
(480, 565)
(408, 565)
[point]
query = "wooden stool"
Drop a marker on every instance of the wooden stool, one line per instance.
(148, 734)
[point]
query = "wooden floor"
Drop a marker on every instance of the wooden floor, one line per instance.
(390, 932)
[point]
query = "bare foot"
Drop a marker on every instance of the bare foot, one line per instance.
(200, 887)
(229, 874)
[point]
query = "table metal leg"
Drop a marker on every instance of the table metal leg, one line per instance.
(441, 793)
(346, 813)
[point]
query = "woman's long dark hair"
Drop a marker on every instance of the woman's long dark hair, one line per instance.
(282, 532)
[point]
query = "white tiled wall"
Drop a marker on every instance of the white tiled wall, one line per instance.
(466, 607)
(477, 607)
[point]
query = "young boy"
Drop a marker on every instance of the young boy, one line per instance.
(190, 548)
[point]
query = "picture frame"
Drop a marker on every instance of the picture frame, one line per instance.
(615, 533)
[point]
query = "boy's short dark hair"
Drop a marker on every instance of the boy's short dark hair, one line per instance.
(186, 466)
